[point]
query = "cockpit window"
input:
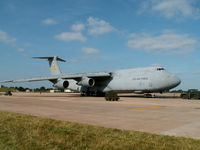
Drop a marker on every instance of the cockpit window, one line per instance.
(159, 69)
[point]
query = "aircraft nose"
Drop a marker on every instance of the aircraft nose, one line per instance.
(175, 80)
(178, 81)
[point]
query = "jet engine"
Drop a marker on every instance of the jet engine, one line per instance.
(73, 85)
(62, 84)
(87, 82)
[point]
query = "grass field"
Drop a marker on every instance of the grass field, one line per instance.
(21, 132)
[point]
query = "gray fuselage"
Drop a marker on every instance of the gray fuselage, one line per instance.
(149, 79)
(140, 80)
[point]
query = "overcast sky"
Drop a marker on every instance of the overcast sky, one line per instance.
(100, 35)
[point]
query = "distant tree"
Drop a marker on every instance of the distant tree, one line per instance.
(177, 91)
(2, 86)
(21, 89)
(42, 89)
(36, 89)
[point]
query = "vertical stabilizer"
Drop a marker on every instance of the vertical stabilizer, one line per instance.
(54, 68)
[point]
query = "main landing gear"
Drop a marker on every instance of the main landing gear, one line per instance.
(111, 96)
(98, 94)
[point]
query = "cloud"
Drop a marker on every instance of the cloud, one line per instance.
(167, 42)
(20, 50)
(90, 50)
(78, 27)
(72, 61)
(172, 8)
(71, 36)
(6, 39)
(98, 27)
(49, 21)
(94, 27)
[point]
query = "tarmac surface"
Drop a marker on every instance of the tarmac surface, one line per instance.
(168, 116)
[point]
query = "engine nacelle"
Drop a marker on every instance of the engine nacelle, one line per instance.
(62, 84)
(87, 82)
(73, 85)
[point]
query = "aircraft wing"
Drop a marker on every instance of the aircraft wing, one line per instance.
(76, 76)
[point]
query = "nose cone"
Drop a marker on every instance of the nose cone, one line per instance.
(175, 81)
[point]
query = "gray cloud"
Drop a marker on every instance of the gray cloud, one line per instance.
(49, 21)
(78, 27)
(5, 38)
(89, 50)
(71, 36)
(167, 42)
(172, 8)
(98, 27)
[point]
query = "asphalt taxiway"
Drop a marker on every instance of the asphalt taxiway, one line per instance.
(169, 116)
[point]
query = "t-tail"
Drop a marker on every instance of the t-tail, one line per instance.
(54, 68)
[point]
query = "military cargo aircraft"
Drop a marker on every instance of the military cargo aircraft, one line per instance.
(138, 80)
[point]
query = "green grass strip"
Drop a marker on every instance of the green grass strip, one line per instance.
(25, 132)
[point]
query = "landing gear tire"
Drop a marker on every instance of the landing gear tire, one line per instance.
(111, 96)
(112, 99)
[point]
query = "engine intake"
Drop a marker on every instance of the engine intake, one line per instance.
(88, 82)
(62, 84)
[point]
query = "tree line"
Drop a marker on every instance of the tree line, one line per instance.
(24, 89)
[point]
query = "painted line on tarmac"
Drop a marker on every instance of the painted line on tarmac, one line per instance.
(147, 107)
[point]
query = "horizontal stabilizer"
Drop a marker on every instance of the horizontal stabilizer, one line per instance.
(55, 70)
(50, 58)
